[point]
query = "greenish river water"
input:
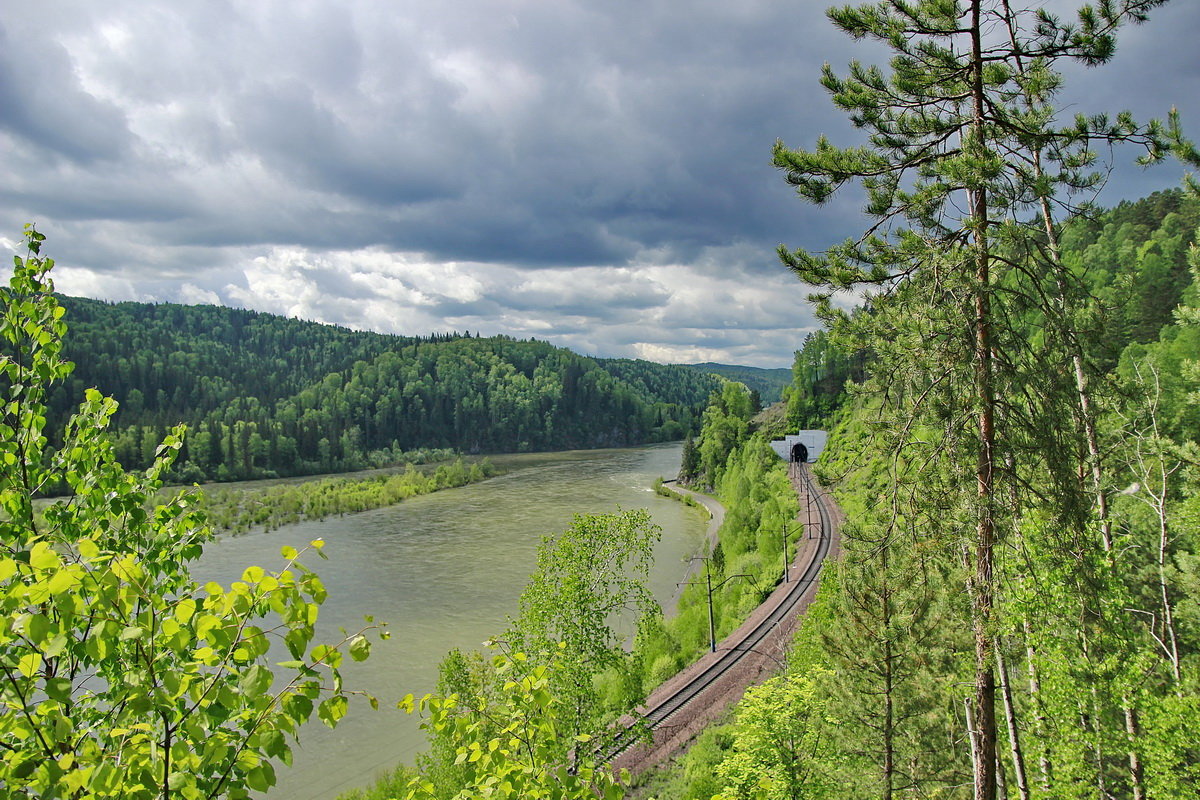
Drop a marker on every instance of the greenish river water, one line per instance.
(444, 571)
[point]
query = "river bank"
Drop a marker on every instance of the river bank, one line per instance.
(445, 571)
(716, 518)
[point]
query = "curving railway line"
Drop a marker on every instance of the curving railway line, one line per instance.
(704, 688)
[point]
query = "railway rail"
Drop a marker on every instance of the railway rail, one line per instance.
(748, 640)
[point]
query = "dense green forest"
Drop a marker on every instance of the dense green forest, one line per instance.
(1085, 642)
(768, 384)
(1014, 440)
(264, 395)
(1133, 259)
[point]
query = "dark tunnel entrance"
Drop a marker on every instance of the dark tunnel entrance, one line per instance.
(799, 453)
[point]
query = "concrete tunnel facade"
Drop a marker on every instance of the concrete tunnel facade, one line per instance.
(803, 447)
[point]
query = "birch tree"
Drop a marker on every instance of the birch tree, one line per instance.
(120, 676)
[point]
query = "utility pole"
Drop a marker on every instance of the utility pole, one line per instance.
(783, 546)
(712, 626)
(712, 629)
(808, 498)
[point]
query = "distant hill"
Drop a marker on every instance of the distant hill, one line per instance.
(768, 383)
(266, 395)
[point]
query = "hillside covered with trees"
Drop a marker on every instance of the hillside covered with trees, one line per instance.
(1096, 653)
(264, 395)
(767, 383)
(1014, 440)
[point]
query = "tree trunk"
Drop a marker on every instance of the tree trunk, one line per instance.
(1039, 719)
(1010, 715)
(1158, 501)
(889, 745)
(982, 589)
(1137, 779)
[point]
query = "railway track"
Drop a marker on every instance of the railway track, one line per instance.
(747, 639)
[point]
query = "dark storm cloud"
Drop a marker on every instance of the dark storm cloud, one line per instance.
(539, 135)
(531, 168)
(1155, 69)
(43, 106)
(300, 136)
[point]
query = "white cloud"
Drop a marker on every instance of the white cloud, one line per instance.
(85, 283)
(669, 354)
(190, 294)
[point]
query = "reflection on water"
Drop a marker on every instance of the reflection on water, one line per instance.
(445, 571)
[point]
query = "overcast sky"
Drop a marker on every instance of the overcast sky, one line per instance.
(595, 173)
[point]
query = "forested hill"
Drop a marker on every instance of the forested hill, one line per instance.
(1133, 259)
(266, 395)
(769, 383)
(1096, 576)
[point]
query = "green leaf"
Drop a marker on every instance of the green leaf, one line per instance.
(29, 664)
(56, 645)
(184, 610)
(360, 648)
(332, 710)
(255, 681)
(256, 779)
(62, 582)
(37, 628)
(43, 557)
(272, 743)
(58, 689)
(298, 707)
(297, 641)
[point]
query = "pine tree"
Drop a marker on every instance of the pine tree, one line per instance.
(964, 154)
(889, 638)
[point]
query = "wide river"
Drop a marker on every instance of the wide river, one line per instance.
(444, 571)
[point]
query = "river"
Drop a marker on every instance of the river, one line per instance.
(444, 571)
